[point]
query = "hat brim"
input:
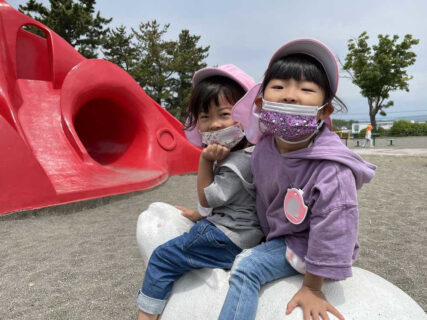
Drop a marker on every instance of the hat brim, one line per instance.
(244, 113)
(229, 71)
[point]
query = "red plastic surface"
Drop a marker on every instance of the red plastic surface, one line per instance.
(74, 129)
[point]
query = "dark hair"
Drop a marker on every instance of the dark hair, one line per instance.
(209, 91)
(300, 66)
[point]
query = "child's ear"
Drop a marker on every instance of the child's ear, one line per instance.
(258, 102)
(326, 111)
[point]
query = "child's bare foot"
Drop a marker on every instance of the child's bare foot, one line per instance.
(146, 316)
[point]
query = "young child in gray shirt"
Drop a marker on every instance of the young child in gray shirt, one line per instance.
(227, 220)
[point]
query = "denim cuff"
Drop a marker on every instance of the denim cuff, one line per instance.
(150, 305)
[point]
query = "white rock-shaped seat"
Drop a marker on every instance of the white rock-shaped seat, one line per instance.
(200, 293)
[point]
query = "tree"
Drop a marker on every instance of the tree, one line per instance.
(75, 22)
(164, 68)
(155, 55)
(187, 58)
(119, 48)
(379, 70)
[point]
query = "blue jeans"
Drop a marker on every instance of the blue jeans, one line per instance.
(253, 268)
(204, 246)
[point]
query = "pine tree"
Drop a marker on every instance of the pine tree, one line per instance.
(120, 49)
(154, 69)
(187, 58)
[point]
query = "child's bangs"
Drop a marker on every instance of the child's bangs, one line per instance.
(287, 70)
(298, 67)
(210, 96)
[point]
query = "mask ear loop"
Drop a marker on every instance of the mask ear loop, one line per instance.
(328, 121)
(322, 106)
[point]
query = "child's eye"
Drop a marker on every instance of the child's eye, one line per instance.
(203, 117)
(225, 114)
(277, 87)
(307, 90)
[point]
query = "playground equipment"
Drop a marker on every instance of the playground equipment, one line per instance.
(74, 129)
(200, 294)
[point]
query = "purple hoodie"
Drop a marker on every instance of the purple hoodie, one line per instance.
(329, 174)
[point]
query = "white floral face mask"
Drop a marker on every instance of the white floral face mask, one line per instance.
(228, 137)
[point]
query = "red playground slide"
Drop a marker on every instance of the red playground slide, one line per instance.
(73, 128)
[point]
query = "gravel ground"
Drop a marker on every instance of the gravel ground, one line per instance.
(81, 261)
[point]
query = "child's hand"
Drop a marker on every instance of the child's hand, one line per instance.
(193, 215)
(313, 303)
(215, 152)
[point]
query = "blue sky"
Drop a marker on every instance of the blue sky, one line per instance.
(247, 32)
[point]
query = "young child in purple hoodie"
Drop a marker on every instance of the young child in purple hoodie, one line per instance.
(306, 183)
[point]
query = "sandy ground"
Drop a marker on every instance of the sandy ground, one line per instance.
(81, 261)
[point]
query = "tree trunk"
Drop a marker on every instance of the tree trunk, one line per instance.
(372, 115)
(373, 122)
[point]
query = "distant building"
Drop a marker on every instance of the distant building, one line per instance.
(357, 127)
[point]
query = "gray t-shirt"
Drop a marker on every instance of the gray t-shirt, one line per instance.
(232, 197)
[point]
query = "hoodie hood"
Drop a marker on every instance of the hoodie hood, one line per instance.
(328, 146)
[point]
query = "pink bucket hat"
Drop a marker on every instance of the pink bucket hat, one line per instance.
(227, 70)
(244, 110)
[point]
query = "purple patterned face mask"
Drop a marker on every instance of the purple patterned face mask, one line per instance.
(289, 121)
